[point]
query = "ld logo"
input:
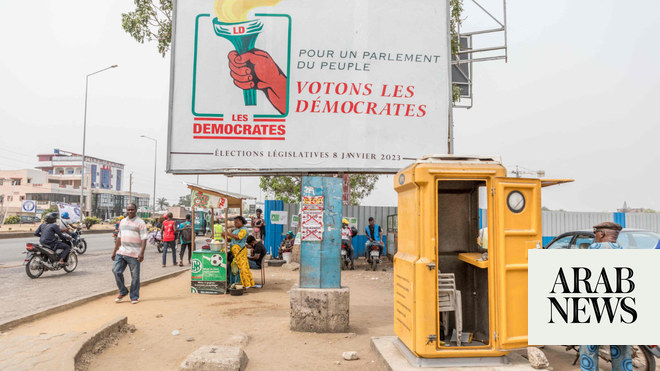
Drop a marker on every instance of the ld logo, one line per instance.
(196, 266)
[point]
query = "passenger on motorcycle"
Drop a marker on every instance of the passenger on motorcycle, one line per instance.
(346, 238)
(64, 226)
(47, 232)
(375, 235)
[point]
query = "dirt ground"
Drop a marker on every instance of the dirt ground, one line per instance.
(263, 314)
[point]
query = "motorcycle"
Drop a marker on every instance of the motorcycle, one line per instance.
(643, 356)
(345, 258)
(156, 238)
(373, 259)
(79, 245)
(42, 258)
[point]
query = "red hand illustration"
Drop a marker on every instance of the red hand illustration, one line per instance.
(256, 69)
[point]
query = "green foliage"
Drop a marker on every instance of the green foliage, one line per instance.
(13, 219)
(184, 200)
(456, 9)
(151, 21)
(90, 221)
(361, 186)
(285, 188)
(162, 203)
(288, 188)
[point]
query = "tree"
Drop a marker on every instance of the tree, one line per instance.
(184, 200)
(162, 203)
(456, 9)
(288, 188)
(152, 21)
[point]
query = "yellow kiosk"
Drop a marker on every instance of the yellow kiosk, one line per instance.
(453, 298)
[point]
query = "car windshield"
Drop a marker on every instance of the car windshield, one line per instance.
(639, 240)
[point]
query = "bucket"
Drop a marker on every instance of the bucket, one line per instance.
(287, 257)
(216, 246)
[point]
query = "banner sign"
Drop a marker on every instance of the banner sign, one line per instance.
(279, 217)
(29, 206)
(593, 297)
(207, 201)
(73, 210)
(308, 85)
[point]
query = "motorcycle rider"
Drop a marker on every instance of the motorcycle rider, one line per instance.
(46, 233)
(375, 235)
(346, 238)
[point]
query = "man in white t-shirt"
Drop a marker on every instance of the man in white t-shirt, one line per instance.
(129, 251)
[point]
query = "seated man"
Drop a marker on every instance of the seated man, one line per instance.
(258, 252)
(287, 244)
(47, 232)
(375, 238)
(346, 239)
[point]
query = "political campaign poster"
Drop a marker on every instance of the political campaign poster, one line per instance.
(278, 217)
(269, 86)
(72, 209)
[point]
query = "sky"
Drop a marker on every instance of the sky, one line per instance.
(577, 98)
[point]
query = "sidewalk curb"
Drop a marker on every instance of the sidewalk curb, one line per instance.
(74, 303)
(89, 340)
(8, 235)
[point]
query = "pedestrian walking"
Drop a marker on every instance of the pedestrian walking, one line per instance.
(606, 235)
(185, 237)
(129, 251)
(169, 238)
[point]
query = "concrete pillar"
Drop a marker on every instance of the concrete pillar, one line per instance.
(320, 304)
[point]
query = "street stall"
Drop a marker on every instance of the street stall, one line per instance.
(455, 298)
(209, 266)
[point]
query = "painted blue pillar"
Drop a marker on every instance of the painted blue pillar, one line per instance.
(273, 231)
(319, 261)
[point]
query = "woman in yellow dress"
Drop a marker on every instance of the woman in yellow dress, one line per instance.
(238, 249)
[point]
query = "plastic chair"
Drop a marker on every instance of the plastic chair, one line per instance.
(449, 300)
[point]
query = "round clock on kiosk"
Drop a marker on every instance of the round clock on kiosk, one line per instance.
(516, 201)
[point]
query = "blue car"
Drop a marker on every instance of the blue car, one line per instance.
(628, 239)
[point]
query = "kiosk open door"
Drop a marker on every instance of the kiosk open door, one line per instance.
(517, 225)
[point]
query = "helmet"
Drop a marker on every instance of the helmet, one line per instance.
(64, 215)
(51, 217)
(344, 221)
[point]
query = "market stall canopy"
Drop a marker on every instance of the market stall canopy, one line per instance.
(233, 199)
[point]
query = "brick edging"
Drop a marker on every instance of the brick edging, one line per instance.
(76, 302)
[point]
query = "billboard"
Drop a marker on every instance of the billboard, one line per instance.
(286, 86)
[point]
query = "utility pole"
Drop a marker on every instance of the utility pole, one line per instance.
(130, 187)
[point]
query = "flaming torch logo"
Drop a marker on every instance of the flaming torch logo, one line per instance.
(232, 24)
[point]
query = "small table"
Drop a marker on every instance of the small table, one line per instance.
(473, 258)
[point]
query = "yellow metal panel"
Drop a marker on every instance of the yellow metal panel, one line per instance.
(514, 233)
(404, 302)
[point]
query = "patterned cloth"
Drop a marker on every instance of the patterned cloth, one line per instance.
(621, 358)
(131, 232)
(621, 354)
(240, 257)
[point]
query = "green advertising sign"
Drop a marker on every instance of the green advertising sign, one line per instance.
(209, 266)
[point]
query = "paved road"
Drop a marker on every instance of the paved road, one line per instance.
(11, 249)
(21, 295)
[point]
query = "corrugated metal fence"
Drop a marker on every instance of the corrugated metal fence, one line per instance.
(275, 233)
(554, 222)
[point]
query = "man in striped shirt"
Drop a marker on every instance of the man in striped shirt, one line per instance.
(129, 251)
